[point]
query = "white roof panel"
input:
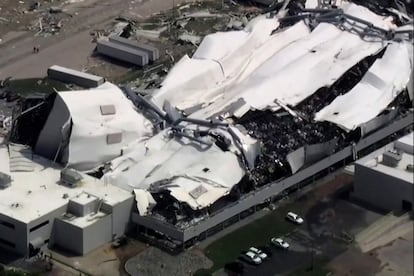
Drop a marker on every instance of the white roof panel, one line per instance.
(386, 78)
(37, 193)
(96, 138)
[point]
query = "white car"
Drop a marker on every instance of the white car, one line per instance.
(294, 218)
(278, 242)
(258, 252)
(251, 257)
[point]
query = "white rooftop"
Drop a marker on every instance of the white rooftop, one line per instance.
(84, 198)
(400, 171)
(85, 221)
(33, 194)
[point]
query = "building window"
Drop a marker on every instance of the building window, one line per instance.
(39, 226)
(7, 224)
(114, 138)
(7, 243)
(108, 109)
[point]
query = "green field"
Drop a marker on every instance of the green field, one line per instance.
(42, 86)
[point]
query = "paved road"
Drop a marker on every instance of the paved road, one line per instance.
(73, 46)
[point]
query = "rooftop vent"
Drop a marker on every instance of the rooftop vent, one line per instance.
(410, 168)
(391, 158)
(5, 180)
(70, 177)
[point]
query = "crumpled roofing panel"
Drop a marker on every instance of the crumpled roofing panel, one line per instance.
(217, 61)
(298, 70)
(195, 174)
(386, 78)
(88, 145)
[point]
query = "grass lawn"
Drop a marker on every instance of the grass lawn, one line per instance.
(44, 86)
(257, 233)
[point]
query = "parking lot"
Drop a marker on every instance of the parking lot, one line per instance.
(327, 232)
(330, 222)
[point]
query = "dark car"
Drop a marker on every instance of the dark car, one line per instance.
(234, 268)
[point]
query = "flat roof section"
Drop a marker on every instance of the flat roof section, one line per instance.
(400, 171)
(85, 221)
(39, 192)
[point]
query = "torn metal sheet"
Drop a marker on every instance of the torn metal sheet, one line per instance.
(219, 59)
(386, 78)
(310, 154)
(83, 135)
(319, 58)
(296, 159)
(378, 122)
(144, 200)
(194, 173)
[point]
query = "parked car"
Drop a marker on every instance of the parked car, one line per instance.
(235, 267)
(258, 252)
(266, 249)
(280, 243)
(251, 258)
(295, 218)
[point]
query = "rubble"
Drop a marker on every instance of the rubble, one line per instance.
(189, 38)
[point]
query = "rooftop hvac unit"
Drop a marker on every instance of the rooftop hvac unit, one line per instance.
(391, 158)
(70, 177)
(5, 180)
(410, 168)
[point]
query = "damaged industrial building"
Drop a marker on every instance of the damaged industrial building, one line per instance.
(253, 115)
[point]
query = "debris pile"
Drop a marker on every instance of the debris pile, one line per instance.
(44, 18)
(50, 21)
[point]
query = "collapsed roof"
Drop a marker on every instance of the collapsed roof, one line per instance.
(263, 68)
(86, 128)
(386, 78)
(280, 82)
(197, 172)
(237, 71)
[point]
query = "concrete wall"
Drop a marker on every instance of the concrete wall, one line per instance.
(67, 236)
(381, 190)
(13, 235)
(97, 234)
(19, 235)
(44, 232)
(121, 214)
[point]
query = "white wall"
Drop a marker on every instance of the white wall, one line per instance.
(121, 214)
(97, 234)
(67, 236)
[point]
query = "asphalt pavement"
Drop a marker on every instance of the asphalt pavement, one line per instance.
(319, 238)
